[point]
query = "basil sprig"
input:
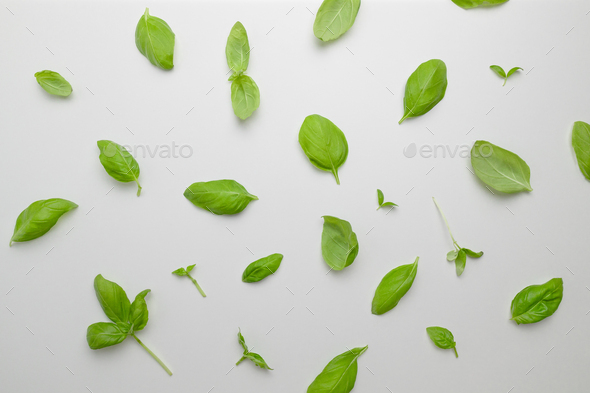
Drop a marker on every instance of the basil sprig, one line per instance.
(425, 88)
(339, 376)
(339, 243)
(262, 268)
(393, 287)
(254, 357)
(186, 272)
(537, 302)
(53, 83)
(119, 163)
(155, 40)
(442, 338)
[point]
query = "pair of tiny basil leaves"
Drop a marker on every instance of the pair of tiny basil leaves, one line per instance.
(339, 375)
(254, 357)
(381, 200)
(186, 272)
(500, 72)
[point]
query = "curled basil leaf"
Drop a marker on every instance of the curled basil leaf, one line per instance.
(219, 196)
(425, 88)
(334, 18)
(53, 83)
(262, 268)
(581, 144)
(119, 163)
(323, 143)
(393, 287)
(155, 40)
(254, 357)
(245, 96)
(499, 168)
(442, 338)
(339, 376)
(237, 50)
(339, 243)
(537, 302)
(37, 219)
(467, 4)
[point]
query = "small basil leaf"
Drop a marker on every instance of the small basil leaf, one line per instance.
(180, 272)
(37, 219)
(323, 143)
(118, 162)
(388, 204)
(460, 262)
(104, 334)
(334, 18)
(262, 268)
(257, 360)
(138, 312)
(498, 70)
(467, 4)
(499, 168)
(425, 88)
(339, 376)
(452, 255)
(53, 83)
(155, 40)
(393, 287)
(242, 341)
(442, 338)
(513, 70)
(186, 272)
(112, 299)
(190, 268)
(380, 197)
(245, 96)
(339, 243)
(472, 254)
(581, 144)
(537, 302)
(219, 196)
(237, 49)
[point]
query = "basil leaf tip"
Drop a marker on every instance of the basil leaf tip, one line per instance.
(53, 83)
(186, 272)
(339, 243)
(119, 163)
(262, 268)
(334, 18)
(339, 375)
(219, 196)
(155, 40)
(425, 88)
(442, 338)
(537, 302)
(253, 357)
(393, 287)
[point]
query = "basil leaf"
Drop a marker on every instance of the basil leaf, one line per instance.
(219, 196)
(499, 168)
(242, 341)
(581, 144)
(467, 4)
(37, 219)
(237, 50)
(334, 18)
(339, 243)
(452, 255)
(262, 268)
(104, 334)
(442, 338)
(339, 376)
(498, 70)
(513, 70)
(186, 272)
(190, 268)
(180, 272)
(155, 40)
(245, 96)
(112, 299)
(138, 312)
(323, 143)
(460, 262)
(119, 163)
(425, 88)
(472, 254)
(254, 357)
(537, 302)
(393, 287)
(53, 83)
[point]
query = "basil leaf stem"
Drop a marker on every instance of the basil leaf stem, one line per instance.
(160, 362)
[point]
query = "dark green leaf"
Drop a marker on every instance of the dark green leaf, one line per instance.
(237, 49)
(393, 287)
(245, 96)
(138, 313)
(537, 302)
(467, 4)
(155, 40)
(53, 83)
(339, 243)
(119, 163)
(460, 262)
(581, 144)
(262, 268)
(425, 88)
(219, 196)
(104, 334)
(442, 338)
(339, 376)
(334, 18)
(112, 299)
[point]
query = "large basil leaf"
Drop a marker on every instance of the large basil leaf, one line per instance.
(219, 196)
(155, 40)
(499, 168)
(245, 96)
(339, 243)
(237, 49)
(112, 299)
(334, 18)
(119, 163)
(339, 375)
(425, 88)
(37, 219)
(262, 268)
(53, 83)
(467, 4)
(581, 144)
(138, 312)
(393, 287)
(442, 338)
(323, 143)
(537, 302)
(104, 334)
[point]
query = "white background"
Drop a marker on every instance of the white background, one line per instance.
(49, 150)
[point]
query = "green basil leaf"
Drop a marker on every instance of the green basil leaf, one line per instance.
(425, 88)
(467, 4)
(339, 243)
(334, 18)
(537, 302)
(513, 70)
(155, 40)
(393, 287)
(581, 144)
(237, 49)
(262, 268)
(472, 254)
(242, 341)
(257, 360)
(104, 334)
(323, 143)
(37, 219)
(219, 196)
(460, 262)
(498, 70)
(53, 83)
(112, 299)
(452, 255)
(138, 312)
(245, 96)
(388, 204)
(339, 376)
(119, 163)
(180, 272)
(190, 268)
(499, 168)
(380, 197)
(442, 338)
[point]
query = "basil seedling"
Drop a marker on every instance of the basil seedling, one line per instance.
(53, 83)
(155, 40)
(334, 18)
(581, 144)
(500, 72)
(186, 272)
(393, 287)
(127, 317)
(537, 302)
(254, 357)
(442, 338)
(262, 268)
(467, 4)
(381, 198)
(339, 376)
(425, 88)
(339, 243)
(119, 163)
(219, 196)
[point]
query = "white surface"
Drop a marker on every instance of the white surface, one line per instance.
(49, 150)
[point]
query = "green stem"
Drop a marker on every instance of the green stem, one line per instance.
(241, 360)
(335, 172)
(446, 223)
(456, 354)
(505, 79)
(196, 285)
(138, 187)
(153, 354)
(404, 118)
